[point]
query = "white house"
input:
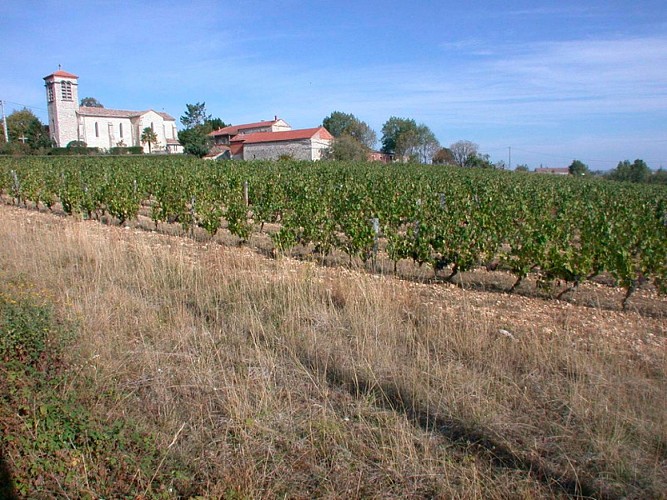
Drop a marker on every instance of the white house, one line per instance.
(101, 127)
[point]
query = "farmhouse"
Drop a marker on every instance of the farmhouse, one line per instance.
(100, 127)
(553, 170)
(269, 140)
(223, 136)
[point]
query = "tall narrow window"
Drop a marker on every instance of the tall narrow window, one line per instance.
(97, 130)
(66, 90)
(49, 92)
(120, 130)
(152, 127)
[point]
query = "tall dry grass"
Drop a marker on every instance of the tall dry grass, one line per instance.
(273, 377)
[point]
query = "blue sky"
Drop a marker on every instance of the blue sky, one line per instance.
(554, 81)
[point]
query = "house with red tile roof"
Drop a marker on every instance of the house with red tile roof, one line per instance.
(303, 144)
(101, 127)
(553, 170)
(271, 139)
(225, 134)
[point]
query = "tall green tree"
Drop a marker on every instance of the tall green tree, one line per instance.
(578, 168)
(198, 124)
(399, 135)
(636, 171)
(443, 156)
(407, 140)
(195, 115)
(91, 102)
(347, 148)
(659, 177)
(339, 124)
(26, 133)
(427, 144)
(148, 136)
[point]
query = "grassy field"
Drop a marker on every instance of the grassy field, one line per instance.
(184, 368)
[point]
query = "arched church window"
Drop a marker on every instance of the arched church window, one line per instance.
(49, 92)
(97, 130)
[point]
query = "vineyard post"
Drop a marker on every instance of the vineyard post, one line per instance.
(245, 193)
(192, 216)
(376, 238)
(17, 186)
(443, 200)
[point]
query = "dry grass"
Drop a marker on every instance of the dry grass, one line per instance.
(277, 377)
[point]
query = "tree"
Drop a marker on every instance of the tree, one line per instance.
(484, 161)
(398, 136)
(198, 124)
(347, 148)
(148, 136)
(578, 168)
(339, 124)
(465, 153)
(194, 141)
(407, 140)
(444, 156)
(214, 124)
(91, 102)
(659, 177)
(195, 115)
(427, 144)
(637, 171)
(521, 168)
(24, 128)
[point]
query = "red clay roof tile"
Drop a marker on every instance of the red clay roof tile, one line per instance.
(62, 74)
(286, 135)
(235, 129)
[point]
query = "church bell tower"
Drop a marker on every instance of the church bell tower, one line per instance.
(62, 98)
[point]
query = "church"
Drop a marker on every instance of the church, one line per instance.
(101, 127)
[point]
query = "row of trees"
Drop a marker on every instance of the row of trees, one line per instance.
(637, 171)
(402, 138)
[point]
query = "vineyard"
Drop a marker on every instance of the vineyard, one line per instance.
(451, 219)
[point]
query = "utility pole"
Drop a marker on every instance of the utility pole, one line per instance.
(4, 121)
(510, 157)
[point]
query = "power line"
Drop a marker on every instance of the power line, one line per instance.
(25, 105)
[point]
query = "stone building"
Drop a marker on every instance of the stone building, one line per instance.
(303, 144)
(269, 140)
(101, 127)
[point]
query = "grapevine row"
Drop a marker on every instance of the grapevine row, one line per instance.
(563, 228)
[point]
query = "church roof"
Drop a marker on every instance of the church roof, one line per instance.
(286, 135)
(119, 113)
(62, 74)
